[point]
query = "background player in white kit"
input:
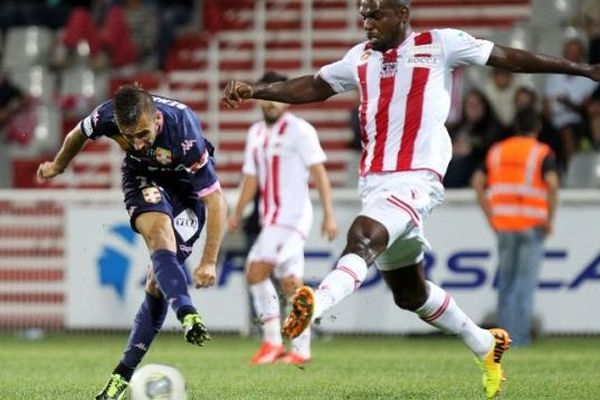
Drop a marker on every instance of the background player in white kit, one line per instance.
(281, 152)
(404, 79)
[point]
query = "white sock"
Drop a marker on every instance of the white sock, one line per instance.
(347, 276)
(266, 306)
(441, 311)
(301, 344)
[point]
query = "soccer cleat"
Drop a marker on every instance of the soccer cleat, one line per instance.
(303, 305)
(114, 389)
(493, 376)
(194, 330)
(268, 353)
(292, 358)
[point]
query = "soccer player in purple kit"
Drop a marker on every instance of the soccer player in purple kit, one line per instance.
(170, 188)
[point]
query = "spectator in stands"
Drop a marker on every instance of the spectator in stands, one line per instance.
(477, 129)
(106, 32)
(591, 140)
(566, 97)
(281, 145)
(173, 14)
(12, 102)
(142, 23)
(518, 193)
(591, 22)
(500, 91)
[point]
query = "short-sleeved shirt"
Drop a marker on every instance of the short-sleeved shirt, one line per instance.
(405, 97)
(170, 176)
(280, 156)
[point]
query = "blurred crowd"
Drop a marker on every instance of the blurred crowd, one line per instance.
(126, 37)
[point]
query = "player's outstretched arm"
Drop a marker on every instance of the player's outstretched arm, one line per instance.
(73, 142)
(517, 60)
(305, 89)
(216, 213)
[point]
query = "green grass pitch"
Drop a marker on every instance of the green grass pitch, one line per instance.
(75, 366)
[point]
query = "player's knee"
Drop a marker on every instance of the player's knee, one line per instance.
(409, 302)
(160, 238)
(363, 247)
(257, 272)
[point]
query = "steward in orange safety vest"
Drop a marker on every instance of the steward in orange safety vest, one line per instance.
(521, 178)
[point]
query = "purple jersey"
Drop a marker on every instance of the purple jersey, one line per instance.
(168, 177)
(179, 150)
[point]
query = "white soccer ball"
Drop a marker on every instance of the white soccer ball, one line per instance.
(157, 381)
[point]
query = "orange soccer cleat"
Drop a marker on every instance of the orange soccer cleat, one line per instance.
(268, 353)
(292, 358)
(303, 305)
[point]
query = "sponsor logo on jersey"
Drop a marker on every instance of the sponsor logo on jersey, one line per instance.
(163, 156)
(151, 195)
(423, 60)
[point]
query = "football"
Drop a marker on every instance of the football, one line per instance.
(157, 381)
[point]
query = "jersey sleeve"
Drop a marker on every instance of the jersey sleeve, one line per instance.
(249, 167)
(307, 143)
(198, 156)
(463, 49)
(99, 122)
(340, 74)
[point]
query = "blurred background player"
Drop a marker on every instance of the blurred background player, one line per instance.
(167, 176)
(403, 78)
(281, 152)
(521, 177)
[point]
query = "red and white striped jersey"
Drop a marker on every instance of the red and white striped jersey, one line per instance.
(405, 97)
(281, 156)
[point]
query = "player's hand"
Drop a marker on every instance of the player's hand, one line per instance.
(205, 275)
(329, 228)
(235, 92)
(233, 223)
(48, 170)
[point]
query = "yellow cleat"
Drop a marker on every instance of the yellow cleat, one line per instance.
(303, 305)
(493, 376)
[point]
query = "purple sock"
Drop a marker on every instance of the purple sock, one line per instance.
(171, 280)
(146, 325)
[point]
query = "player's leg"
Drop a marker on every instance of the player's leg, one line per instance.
(146, 325)
(435, 306)
(152, 209)
(157, 230)
(367, 238)
(290, 276)
(266, 307)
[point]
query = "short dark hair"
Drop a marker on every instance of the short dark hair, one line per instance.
(272, 77)
(527, 120)
(131, 102)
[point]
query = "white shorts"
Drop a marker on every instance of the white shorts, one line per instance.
(281, 247)
(401, 201)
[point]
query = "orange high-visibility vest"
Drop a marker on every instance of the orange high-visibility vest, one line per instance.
(517, 193)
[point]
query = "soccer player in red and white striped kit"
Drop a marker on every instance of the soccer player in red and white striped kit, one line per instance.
(404, 81)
